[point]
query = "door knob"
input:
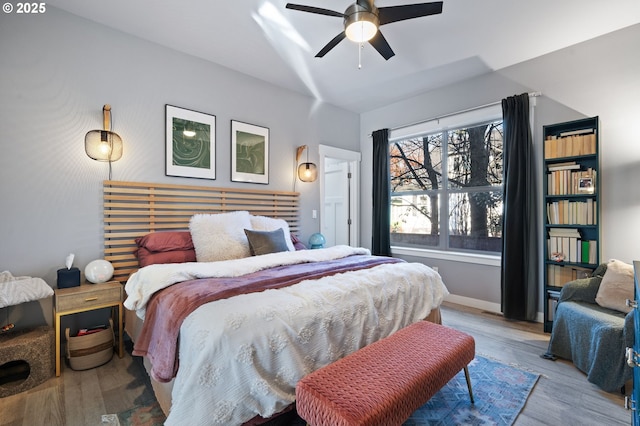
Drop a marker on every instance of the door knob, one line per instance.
(629, 403)
(632, 358)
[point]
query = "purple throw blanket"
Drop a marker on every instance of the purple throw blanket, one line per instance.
(168, 308)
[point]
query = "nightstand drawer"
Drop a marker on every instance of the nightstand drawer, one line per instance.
(87, 296)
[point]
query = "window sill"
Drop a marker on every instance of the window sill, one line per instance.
(480, 259)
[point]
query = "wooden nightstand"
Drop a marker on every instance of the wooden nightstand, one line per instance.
(87, 297)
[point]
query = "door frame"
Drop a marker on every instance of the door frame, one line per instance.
(353, 158)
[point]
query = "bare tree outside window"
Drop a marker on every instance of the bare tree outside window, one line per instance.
(455, 175)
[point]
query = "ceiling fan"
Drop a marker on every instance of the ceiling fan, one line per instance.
(362, 19)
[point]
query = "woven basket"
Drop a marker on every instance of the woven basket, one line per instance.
(91, 350)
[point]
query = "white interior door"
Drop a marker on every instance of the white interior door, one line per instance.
(336, 202)
(340, 195)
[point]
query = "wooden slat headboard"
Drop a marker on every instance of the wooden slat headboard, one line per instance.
(134, 209)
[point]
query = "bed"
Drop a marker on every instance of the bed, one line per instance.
(226, 338)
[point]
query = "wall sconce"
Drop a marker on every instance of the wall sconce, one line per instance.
(103, 145)
(307, 172)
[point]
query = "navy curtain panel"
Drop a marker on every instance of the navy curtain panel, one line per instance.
(519, 275)
(381, 240)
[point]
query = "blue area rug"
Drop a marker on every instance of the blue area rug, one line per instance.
(149, 415)
(500, 392)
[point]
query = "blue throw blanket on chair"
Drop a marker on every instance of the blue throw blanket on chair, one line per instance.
(593, 337)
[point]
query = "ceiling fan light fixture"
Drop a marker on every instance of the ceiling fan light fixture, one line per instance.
(362, 21)
(361, 26)
(361, 31)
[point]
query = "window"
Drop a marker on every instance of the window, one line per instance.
(446, 188)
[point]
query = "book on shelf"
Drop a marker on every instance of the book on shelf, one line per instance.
(593, 250)
(571, 165)
(554, 293)
(564, 232)
(559, 275)
(576, 132)
(565, 249)
(565, 245)
(570, 144)
(571, 181)
(553, 296)
(565, 212)
(553, 304)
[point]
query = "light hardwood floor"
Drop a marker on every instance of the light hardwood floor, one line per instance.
(562, 395)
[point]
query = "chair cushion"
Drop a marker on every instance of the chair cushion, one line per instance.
(616, 286)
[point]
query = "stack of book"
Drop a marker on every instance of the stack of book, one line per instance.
(565, 212)
(570, 144)
(552, 297)
(558, 276)
(566, 245)
(568, 179)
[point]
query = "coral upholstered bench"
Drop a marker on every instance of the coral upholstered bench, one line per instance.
(385, 382)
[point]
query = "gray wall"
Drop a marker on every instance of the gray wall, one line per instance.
(597, 77)
(58, 70)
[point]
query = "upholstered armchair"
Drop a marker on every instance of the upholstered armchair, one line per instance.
(593, 337)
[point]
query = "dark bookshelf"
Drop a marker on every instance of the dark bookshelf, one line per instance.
(572, 206)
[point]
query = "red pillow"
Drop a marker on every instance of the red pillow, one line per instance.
(165, 247)
(297, 243)
(146, 257)
(166, 241)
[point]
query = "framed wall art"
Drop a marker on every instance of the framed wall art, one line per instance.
(190, 143)
(249, 153)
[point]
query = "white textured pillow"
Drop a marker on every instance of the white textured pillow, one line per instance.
(16, 290)
(264, 223)
(220, 236)
(616, 286)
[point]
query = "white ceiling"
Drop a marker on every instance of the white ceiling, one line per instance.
(263, 39)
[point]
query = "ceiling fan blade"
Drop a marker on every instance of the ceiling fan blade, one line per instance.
(333, 43)
(380, 44)
(391, 14)
(312, 9)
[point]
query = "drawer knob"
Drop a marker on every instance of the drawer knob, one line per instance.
(90, 299)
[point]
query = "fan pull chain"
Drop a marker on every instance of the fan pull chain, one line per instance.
(360, 47)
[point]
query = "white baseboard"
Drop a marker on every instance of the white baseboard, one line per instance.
(482, 305)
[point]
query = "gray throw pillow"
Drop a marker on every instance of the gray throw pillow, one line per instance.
(265, 242)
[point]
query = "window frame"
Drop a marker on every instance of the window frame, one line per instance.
(444, 124)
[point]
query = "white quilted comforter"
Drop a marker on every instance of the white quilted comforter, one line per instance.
(241, 357)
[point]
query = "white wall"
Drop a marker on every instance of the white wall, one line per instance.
(58, 70)
(597, 77)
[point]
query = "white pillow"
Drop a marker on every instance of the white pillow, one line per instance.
(616, 286)
(16, 290)
(220, 236)
(264, 223)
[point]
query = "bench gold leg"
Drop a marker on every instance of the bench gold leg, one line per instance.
(466, 376)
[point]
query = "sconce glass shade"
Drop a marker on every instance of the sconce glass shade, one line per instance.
(103, 145)
(307, 172)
